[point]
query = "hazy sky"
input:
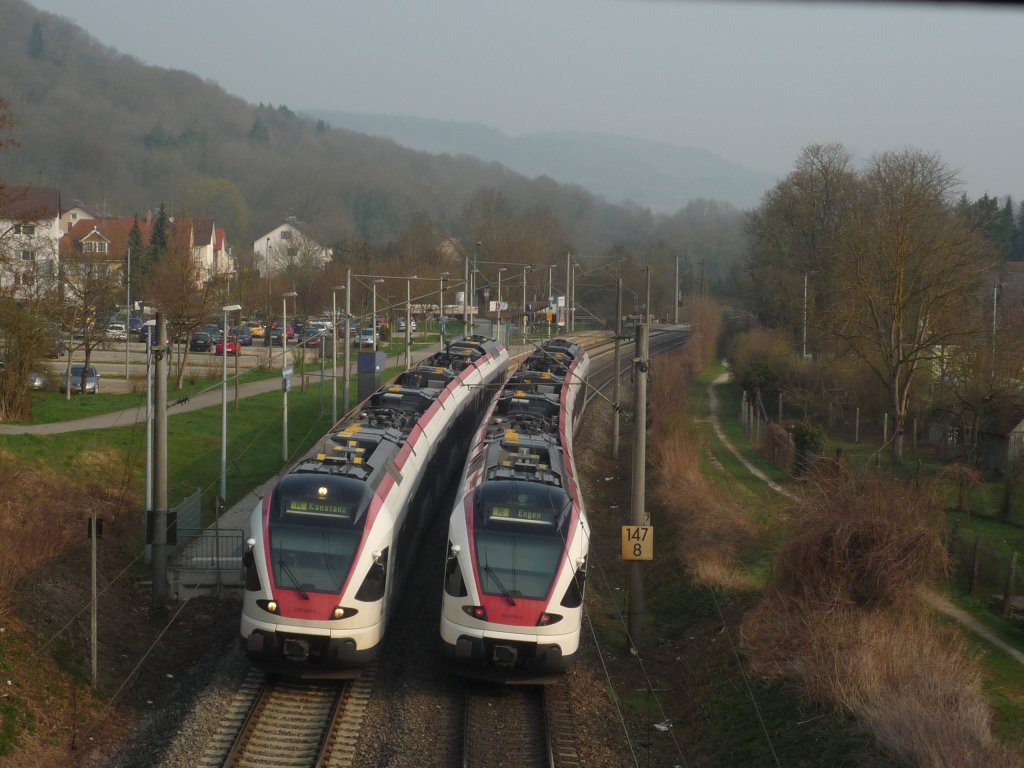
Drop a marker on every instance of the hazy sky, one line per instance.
(752, 82)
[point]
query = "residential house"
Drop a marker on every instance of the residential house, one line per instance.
(29, 236)
(76, 213)
(100, 243)
(289, 245)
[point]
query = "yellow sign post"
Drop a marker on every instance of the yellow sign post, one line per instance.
(638, 542)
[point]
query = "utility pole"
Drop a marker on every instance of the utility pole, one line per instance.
(93, 606)
(638, 513)
(618, 365)
(675, 296)
(160, 468)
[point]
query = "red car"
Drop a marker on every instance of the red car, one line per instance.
(233, 347)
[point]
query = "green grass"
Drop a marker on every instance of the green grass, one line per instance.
(254, 446)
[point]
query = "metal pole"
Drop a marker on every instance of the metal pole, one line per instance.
(499, 300)
(160, 469)
(465, 300)
(334, 352)
(440, 319)
(524, 305)
(348, 335)
(638, 513)
(128, 314)
(805, 315)
(373, 316)
(568, 282)
(552, 304)
(284, 378)
(408, 324)
(995, 294)
(284, 383)
(93, 606)
(572, 313)
(647, 300)
(148, 503)
(675, 296)
(618, 370)
(334, 355)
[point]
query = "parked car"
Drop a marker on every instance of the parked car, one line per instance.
(243, 334)
(233, 346)
(146, 332)
(255, 328)
(214, 330)
(55, 343)
(311, 336)
(401, 324)
(117, 331)
(92, 380)
(200, 342)
(366, 337)
(273, 337)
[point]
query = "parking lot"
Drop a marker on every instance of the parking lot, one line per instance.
(110, 361)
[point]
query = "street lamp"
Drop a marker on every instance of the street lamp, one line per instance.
(224, 406)
(408, 321)
(373, 322)
(441, 317)
(552, 304)
(526, 268)
(334, 352)
(805, 316)
(285, 372)
(222, 500)
(499, 302)
(128, 311)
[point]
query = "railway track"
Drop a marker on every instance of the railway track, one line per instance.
(275, 723)
(520, 726)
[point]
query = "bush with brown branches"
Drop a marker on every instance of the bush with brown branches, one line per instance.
(842, 620)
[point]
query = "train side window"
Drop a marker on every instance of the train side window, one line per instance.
(454, 584)
(252, 576)
(372, 588)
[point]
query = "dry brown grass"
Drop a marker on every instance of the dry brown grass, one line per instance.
(715, 526)
(41, 515)
(842, 621)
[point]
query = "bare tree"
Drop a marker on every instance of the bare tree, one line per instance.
(177, 288)
(905, 273)
(90, 286)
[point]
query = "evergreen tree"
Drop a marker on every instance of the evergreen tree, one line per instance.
(158, 237)
(259, 131)
(1017, 251)
(136, 251)
(36, 47)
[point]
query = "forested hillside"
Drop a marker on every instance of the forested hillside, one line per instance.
(122, 136)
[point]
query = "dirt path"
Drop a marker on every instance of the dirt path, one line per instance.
(935, 600)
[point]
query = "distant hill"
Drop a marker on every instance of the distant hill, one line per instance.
(124, 137)
(663, 177)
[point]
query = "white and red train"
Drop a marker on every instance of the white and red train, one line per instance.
(518, 536)
(331, 543)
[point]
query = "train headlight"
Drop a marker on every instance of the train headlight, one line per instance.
(270, 606)
(476, 611)
(547, 619)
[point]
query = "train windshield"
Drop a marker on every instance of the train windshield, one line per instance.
(520, 537)
(316, 524)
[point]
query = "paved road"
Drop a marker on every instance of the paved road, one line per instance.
(207, 399)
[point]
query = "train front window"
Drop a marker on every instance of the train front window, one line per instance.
(316, 524)
(519, 536)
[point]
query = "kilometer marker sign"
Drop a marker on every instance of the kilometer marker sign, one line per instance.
(638, 542)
